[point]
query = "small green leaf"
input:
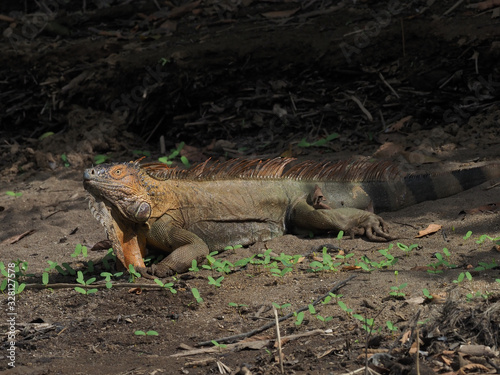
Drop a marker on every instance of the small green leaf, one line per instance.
(99, 159)
(45, 135)
(303, 143)
(80, 290)
(152, 333)
(140, 333)
(13, 194)
(185, 162)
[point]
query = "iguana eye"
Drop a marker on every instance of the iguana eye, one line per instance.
(118, 172)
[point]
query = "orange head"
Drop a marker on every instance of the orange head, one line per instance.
(120, 186)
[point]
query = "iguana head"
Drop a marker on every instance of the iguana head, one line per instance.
(120, 186)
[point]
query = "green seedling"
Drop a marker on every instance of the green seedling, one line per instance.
(485, 237)
(21, 269)
(323, 318)
(319, 143)
(367, 323)
(486, 266)
(391, 327)
(222, 266)
(237, 305)
(82, 281)
(263, 259)
(163, 61)
(281, 273)
(467, 235)
(219, 346)
(196, 295)
(133, 273)
(99, 159)
(45, 278)
(148, 333)
(216, 282)
(235, 247)
(326, 264)
(396, 291)
(194, 266)
(167, 286)
(109, 256)
(461, 277)
(243, 262)
(344, 307)
(68, 269)
(471, 296)
(64, 158)
(281, 307)
(79, 249)
(312, 309)
(329, 297)
(427, 294)
(107, 276)
(173, 154)
(441, 262)
(13, 194)
(17, 286)
(407, 249)
(299, 317)
(447, 253)
(45, 135)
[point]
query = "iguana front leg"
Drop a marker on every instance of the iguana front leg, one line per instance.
(350, 220)
(184, 247)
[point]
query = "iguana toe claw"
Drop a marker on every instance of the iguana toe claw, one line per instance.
(146, 272)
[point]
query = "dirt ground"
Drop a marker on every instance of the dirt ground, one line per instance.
(251, 79)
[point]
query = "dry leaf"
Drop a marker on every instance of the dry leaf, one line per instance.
(350, 268)
(431, 229)
(102, 245)
(135, 290)
(281, 13)
(398, 125)
(406, 336)
(388, 150)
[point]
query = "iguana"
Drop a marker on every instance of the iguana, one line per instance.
(188, 213)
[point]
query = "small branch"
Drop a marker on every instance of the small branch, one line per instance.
(453, 7)
(92, 286)
(362, 107)
(388, 85)
(278, 337)
(337, 286)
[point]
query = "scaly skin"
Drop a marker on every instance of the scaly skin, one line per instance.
(188, 214)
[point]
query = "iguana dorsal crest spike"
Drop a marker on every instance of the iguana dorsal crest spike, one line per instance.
(350, 171)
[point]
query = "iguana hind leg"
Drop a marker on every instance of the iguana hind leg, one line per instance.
(184, 247)
(350, 220)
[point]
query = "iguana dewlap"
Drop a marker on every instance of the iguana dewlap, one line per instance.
(188, 213)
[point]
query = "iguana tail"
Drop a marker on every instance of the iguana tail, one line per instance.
(416, 188)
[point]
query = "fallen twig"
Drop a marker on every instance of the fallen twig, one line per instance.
(269, 325)
(278, 337)
(362, 107)
(92, 286)
(256, 344)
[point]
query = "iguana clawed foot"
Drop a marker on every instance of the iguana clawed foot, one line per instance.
(373, 227)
